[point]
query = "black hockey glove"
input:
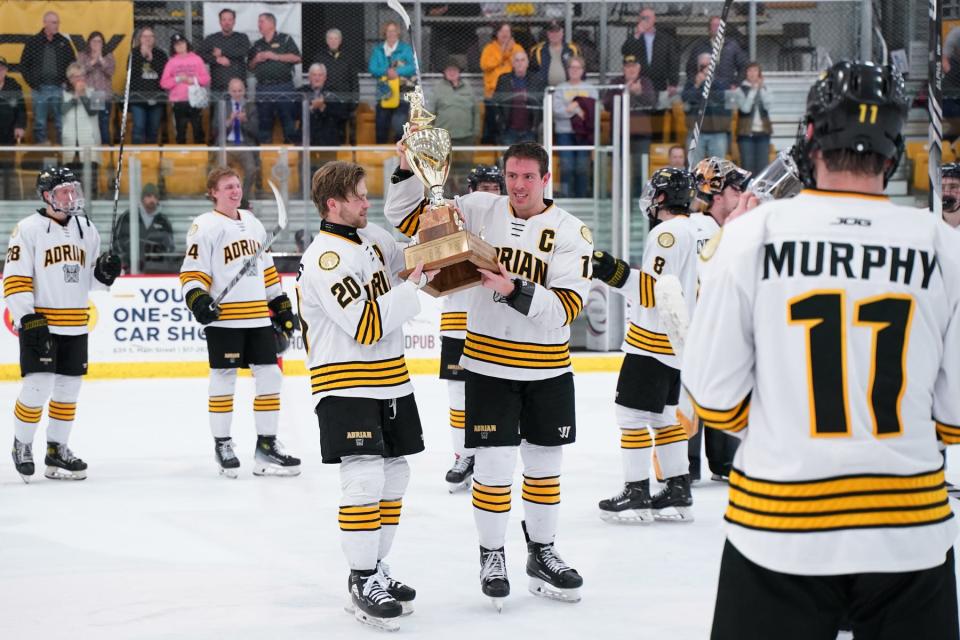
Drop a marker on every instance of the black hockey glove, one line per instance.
(107, 268)
(611, 270)
(520, 298)
(199, 302)
(35, 335)
(283, 311)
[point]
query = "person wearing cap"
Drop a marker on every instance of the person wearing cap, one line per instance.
(184, 69)
(549, 59)
(643, 98)
(156, 232)
(43, 64)
(13, 122)
(457, 109)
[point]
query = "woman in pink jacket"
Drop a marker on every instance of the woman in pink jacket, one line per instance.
(183, 70)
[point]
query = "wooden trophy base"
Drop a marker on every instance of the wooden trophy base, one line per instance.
(457, 255)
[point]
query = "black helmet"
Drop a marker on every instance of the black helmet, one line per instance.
(860, 106)
(677, 187)
(53, 177)
(951, 170)
(486, 173)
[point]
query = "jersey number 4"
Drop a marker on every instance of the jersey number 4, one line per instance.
(888, 317)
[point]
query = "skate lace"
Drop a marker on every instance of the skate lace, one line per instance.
(24, 452)
(65, 454)
(493, 566)
(623, 494)
(384, 570)
(461, 464)
(225, 449)
(375, 587)
(553, 560)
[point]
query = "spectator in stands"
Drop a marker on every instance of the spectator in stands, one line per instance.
(549, 59)
(643, 97)
(226, 53)
(656, 51)
(677, 157)
(574, 106)
(496, 59)
(240, 129)
(391, 64)
(43, 64)
(329, 112)
(184, 69)
(80, 126)
(342, 75)
(457, 111)
(99, 71)
(716, 119)
(456, 35)
(147, 98)
(13, 121)
(753, 126)
(519, 103)
(272, 59)
(156, 232)
(731, 65)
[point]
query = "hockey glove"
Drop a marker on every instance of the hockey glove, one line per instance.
(283, 311)
(199, 302)
(107, 268)
(611, 270)
(35, 335)
(520, 298)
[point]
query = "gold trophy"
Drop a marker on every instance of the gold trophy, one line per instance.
(441, 242)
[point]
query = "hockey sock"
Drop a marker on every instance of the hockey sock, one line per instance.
(220, 405)
(635, 450)
(457, 416)
(492, 480)
(361, 489)
(541, 490)
(62, 409)
(266, 405)
(34, 391)
(671, 446)
(396, 477)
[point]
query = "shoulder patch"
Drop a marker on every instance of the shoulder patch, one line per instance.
(15, 232)
(587, 234)
(666, 240)
(329, 261)
(711, 247)
(193, 229)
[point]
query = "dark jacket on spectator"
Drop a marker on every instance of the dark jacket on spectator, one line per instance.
(664, 67)
(730, 67)
(716, 118)
(248, 129)
(13, 115)
(31, 61)
(342, 76)
(507, 98)
(145, 77)
(158, 238)
(235, 48)
(540, 59)
(640, 105)
(327, 126)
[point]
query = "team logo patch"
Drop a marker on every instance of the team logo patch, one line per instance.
(329, 260)
(587, 234)
(193, 229)
(666, 240)
(711, 247)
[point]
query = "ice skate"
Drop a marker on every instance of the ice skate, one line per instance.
(630, 506)
(271, 460)
(226, 458)
(62, 464)
(371, 603)
(402, 593)
(673, 503)
(493, 576)
(23, 459)
(550, 576)
(460, 473)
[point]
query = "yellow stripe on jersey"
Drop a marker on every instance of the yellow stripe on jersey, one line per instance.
(734, 419)
(669, 435)
(198, 276)
(572, 303)
(220, 404)
(458, 419)
(267, 402)
(491, 498)
(524, 355)
(270, 277)
(17, 284)
(646, 290)
(948, 433)
(453, 321)
(65, 317)
(370, 327)
(650, 341)
(390, 511)
(63, 411)
(541, 490)
(365, 517)
(635, 439)
(346, 375)
(27, 414)
(411, 224)
(244, 310)
(843, 502)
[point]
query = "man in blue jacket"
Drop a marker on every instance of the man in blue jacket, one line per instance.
(391, 63)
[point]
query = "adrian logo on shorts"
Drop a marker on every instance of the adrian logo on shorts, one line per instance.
(71, 273)
(359, 436)
(484, 430)
(232, 357)
(564, 431)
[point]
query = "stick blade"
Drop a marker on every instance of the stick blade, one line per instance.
(281, 207)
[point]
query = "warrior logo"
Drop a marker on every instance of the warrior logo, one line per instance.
(71, 273)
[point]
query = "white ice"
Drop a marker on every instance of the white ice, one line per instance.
(156, 545)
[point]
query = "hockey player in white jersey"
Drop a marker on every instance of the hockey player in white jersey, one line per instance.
(239, 331)
(950, 186)
(53, 260)
(352, 310)
(519, 383)
(648, 389)
(826, 338)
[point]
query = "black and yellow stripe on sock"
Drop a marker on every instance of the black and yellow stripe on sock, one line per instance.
(635, 439)
(64, 411)
(541, 490)
(390, 511)
(267, 402)
(458, 418)
(491, 498)
(363, 517)
(220, 404)
(27, 414)
(669, 435)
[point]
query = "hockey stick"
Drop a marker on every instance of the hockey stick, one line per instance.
(123, 134)
(934, 108)
(252, 260)
(396, 6)
(708, 81)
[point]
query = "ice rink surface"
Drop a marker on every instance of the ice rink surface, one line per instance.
(154, 544)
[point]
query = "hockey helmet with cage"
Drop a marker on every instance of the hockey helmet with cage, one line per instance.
(66, 194)
(951, 170)
(951, 203)
(486, 173)
(713, 175)
(676, 186)
(857, 106)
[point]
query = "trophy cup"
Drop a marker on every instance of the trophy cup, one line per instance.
(441, 241)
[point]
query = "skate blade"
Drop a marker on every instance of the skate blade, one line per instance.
(407, 608)
(384, 624)
(26, 479)
(56, 473)
(628, 516)
(674, 514)
(454, 487)
(275, 470)
(230, 473)
(497, 603)
(544, 589)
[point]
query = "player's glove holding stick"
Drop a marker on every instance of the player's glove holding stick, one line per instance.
(35, 335)
(200, 304)
(107, 268)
